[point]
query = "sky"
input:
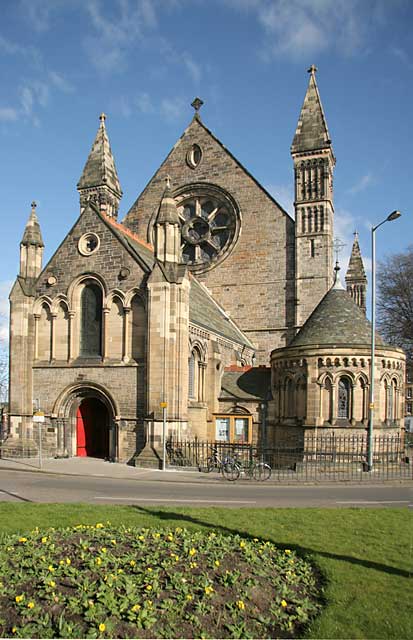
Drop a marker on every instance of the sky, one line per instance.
(142, 62)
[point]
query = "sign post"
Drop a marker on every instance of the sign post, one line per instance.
(38, 417)
(163, 406)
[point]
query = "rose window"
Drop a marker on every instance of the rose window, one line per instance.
(209, 229)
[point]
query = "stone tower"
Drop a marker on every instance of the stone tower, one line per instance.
(99, 180)
(314, 162)
(356, 281)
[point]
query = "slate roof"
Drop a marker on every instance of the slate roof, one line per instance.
(204, 311)
(100, 166)
(337, 320)
(312, 131)
(246, 385)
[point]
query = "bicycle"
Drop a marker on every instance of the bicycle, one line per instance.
(225, 465)
(260, 471)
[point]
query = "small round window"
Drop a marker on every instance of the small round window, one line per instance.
(88, 244)
(194, 156)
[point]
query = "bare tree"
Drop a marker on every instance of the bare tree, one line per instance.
(395, 300)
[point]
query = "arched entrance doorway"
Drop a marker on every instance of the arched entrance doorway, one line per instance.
(92, 429)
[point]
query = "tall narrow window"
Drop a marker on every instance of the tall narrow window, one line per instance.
(344, 398)
(91, 321)
(312, 248)
(191, 376)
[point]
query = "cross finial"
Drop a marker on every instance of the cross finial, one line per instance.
(313, 69)
(356, 235)
(197, 104)
(338, 246)
(34, 205)
(102, 118)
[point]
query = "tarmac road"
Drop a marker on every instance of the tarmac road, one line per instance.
(192, 489)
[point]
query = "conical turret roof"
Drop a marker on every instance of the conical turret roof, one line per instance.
(337, 320)
(32, 234)
(100, 166)
(355, 270)
(167, 210)
(312, 132)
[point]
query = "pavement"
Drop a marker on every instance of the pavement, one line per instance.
(96, 467)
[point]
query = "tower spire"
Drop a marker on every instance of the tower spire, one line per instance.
(314, 162)
(99, 180)
(356, 280)
(168, 229)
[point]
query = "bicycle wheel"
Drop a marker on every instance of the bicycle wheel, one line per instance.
(230, 471)
(262, 471)
(207, 466)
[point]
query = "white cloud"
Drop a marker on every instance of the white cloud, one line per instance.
(172, 108)
(192, 67)
(60, 82)
(301, 28)
(364, 182)
(39, 12)
(8, 114)
(144, 103)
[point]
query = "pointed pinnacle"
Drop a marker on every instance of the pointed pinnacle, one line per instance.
(313, 70)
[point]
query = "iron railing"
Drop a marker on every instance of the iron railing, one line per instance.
(316, 458)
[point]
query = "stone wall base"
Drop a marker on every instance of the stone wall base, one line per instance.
(19, 448)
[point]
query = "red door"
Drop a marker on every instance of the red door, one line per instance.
(80, 434)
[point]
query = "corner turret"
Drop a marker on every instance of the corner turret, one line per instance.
(356, 281)
(167, 229)
(31, 247)
(99, 180)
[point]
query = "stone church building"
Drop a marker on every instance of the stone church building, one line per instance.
(208, 301)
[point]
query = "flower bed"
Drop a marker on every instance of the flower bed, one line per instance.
(103, 581)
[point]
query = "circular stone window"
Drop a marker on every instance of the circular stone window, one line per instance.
(210, 227)
(194, 156)
(89, 243)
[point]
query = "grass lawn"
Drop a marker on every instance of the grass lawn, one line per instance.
(366, 555)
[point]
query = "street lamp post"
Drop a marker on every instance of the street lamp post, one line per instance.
(392, 216)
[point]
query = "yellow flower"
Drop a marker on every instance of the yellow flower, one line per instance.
(287, 551)
(68, 561)
(217, 563)
(255, 539)
(242, 544)
(51, 568)
(120, 571)
(102, 627)
(192, 552)
(99, 526)
(132, 563)
(136, 607)
(149, 569)
(22, 539)
(148, 587)
(141, 537)
(98, 561)
(149, 603)
(19, 598)
(103, 550)
(240, 604)
(189, 597)
(14, 629)
(283, 603)
(44, 539)
(61, 562)
(30, 605)
(208, 590)
(193, 565)
(113, 542)
(52, 583)
(178, 529)
(156, 535)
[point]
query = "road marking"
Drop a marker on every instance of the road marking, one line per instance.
(373, 502)
(175, 500)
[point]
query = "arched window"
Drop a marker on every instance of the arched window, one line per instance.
(327, 392)
(344, 397)
(91, 321)
(191, 376)
(44, 334)
(138, 328)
